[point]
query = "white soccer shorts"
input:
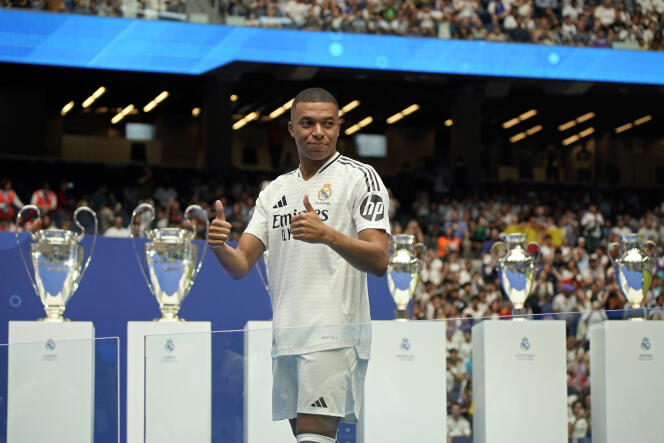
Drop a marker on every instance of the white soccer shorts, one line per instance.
(322, 383)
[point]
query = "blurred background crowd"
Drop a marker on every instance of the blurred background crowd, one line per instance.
(628, 24)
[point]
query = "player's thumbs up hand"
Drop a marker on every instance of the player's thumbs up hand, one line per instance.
(307, 205)
(308, 227)
(220, 210)
(219, 228)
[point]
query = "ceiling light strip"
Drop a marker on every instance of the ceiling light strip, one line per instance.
(95, 95)
(122, 114)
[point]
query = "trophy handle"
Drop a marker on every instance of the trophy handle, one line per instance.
(196, 208)
(140, 208)
(19, 218)
(610, 249)
(498, 250)
(650, 248)
(80, 236)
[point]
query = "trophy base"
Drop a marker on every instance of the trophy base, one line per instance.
(401, 314)
(54, 320)
(170, 319)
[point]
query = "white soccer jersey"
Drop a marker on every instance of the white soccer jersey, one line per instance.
(319, 300)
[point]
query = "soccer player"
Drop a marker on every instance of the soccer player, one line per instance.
(326, 225)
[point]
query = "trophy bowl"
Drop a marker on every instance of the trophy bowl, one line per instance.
(57, 262)
(635, 264)
(516, 268)
(403, 273)
(171, 260)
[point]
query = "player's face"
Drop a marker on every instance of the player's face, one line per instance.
(315, 128)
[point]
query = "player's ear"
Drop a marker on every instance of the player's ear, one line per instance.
(290, 129)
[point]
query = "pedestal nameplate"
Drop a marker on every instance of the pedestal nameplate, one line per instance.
(404, 391)
(519, 382)
(51, 372)
(169, 376)
(627, 395)
(258, 424)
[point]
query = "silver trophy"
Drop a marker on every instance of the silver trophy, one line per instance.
(403, 273)
(516, 268)
(634, 263)
(57, 262)
(171, 260)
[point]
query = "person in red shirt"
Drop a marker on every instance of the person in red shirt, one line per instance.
(45, 199)
(8, 200)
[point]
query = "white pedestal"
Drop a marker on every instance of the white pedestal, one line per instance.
(258, 424)
(404, 391)
(50, 382)
(519, 382)
(169, 375)
(626, 389)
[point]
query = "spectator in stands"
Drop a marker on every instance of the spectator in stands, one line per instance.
(118, 229)
(457, 425)
(45, 199)
(9, 201)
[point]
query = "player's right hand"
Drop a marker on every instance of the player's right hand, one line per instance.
(220, 229)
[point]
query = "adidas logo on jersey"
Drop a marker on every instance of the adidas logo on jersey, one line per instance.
(281, 203)
(320, 403)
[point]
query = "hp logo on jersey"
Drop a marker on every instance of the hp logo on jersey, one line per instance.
(372, 208)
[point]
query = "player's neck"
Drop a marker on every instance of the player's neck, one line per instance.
(308, 168)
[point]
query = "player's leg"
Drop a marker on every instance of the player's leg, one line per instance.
(327, 391)
(311, 425)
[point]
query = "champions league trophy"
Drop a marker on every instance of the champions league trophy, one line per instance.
(403, 273)
(171, 258)
(516, 268)
(57, 262)
(634, 267)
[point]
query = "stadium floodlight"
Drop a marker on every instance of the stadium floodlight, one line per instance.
(359, 125)
(642, 120)
(349, 107)
(155, 101)
(517, 137)
(528, 114)
(281, 109)
(122, 114)
(570, 140)
(624, 127)
(95, 95)
(196, 111)
(585, 117)
(586, 132)
(66, 108)
(566, 126)
(244, 120)
(522, 117)
(534, 130)
(511, 122)
(449, 122)
(401, 114)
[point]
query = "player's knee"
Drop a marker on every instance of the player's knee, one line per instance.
(314, 438)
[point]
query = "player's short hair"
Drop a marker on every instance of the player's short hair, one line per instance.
(314, 95)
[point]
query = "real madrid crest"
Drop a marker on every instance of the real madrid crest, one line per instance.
(325, 192)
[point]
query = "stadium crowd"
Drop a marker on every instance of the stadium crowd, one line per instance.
(575, 281)
(627, 24)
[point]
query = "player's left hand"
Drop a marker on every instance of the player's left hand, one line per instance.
(308, 227)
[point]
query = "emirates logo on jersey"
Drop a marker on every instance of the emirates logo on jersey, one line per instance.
(372, 208)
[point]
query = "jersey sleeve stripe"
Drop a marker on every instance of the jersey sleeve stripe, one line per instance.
(374, 180)
(366, 176)
(371, 171)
